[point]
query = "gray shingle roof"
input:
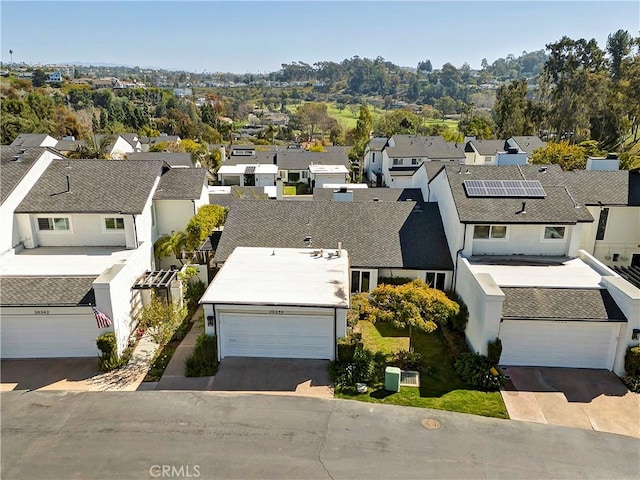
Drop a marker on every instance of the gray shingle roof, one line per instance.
(46, 291)
(369, 194)
(12, 172)
(259, 157)
(487, 147)
(97, 186)
(29, 140)
(614, 187)
(181, 184)
(526, 144)
(171, 159)
(376, 144)
(376, 234)
(69, 145)
(432, 147)
(564, 303)
(557, 207)
(238, 194)
(295, 159)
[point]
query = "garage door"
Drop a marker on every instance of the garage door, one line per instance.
(558, 344)
(48, 336)
(283, 336)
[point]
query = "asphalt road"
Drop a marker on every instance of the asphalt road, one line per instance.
(67, 435)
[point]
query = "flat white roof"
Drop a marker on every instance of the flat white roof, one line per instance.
(570, 273)
(53, 261)
(348, 186)
(219, 190)
(240, 169)
(320, 169)
(282, 276)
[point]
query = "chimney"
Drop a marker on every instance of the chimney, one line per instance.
(339, 249)
(279, 188)
(611, 162)
(343, 195)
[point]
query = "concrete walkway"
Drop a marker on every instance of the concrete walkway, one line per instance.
(129, 377)
(173, 377)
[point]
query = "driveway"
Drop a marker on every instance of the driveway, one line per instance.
(48, 373)
(275, 376)
(572, 397)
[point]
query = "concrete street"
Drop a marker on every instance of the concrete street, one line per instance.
(106, 435)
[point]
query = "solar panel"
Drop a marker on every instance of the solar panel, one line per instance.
(504, 188)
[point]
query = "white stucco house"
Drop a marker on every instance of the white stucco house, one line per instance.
(86, 230)
(249, 175)
(21, 169)
(331, 174)
(402, 155)
(514, 236)
(279, 302)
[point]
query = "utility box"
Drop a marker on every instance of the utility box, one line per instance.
(392, 379)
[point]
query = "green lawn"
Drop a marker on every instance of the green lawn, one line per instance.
(440, 388)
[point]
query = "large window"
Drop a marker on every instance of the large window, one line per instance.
(602, 223)
(397, 161)
(360, 281)
(53, 224)
(294, 176)
(115, 223)
(490, 231)
(554, 233)
(436, 280)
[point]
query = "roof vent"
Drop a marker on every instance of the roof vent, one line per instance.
(16, 158)
(543, 169)
(376, 199)
(524, 209)
(24, 150)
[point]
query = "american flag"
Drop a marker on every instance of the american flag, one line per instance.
(101, 318)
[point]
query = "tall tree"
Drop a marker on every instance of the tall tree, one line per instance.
(512, 110)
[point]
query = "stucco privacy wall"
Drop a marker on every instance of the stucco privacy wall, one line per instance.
(115, 296)
(484, 300)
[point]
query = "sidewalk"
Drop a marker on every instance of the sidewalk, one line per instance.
(129, 377)
(173, 377)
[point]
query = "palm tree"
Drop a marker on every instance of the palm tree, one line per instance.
(95, 147)
(11, 55)
(175, 244)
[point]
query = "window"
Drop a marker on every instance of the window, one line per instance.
(554, 233)
(488, 159)
(360, 281)
(490, 231)
(397, 161)
(602, 223)
(116, 223)
(414, 161)
(294, 176)
(283, 175)
(436, 280)
(305, 174)
(58, 224)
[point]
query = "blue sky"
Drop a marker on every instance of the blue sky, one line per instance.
(259, 36)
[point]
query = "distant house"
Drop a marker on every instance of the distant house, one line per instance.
(249, 175)
(55, 77)
(482, 152)
(69, 145)
(147, 143)
(402, 155)
(174, 160)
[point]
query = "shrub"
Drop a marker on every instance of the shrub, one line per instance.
(347, 347)
(494, 350)
(632, 382)
(161, 319)
(366, 367)
(407, 360)
(193, 293)
(109, 359)
(394, 280)
(203, 362)
(632, 360)
(455, 341)
(476, 370)
(459, 321)
(359, 310)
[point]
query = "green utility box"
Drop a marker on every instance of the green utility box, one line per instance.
(392, 379)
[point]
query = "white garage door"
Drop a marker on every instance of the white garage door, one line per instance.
(283, 336)
(558, 344)
(48, 336)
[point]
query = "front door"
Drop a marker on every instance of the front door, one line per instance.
(635, 260)
(249, 180)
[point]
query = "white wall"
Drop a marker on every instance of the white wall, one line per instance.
(116, 298)
(400, 181)
(521, 240)
(9, 227)
(622, 235)
(419, 274)
(173, 215)
(323, 178)
(420, 180)
(265, 179)
(120, 148)
(85, 230)
(440, 191)
(484, 300)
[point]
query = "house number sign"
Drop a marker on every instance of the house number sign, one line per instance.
(276, 312)
(41, 312)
